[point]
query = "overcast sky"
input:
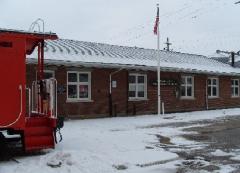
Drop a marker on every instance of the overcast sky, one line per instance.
(193, 26)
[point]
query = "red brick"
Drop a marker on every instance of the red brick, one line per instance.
(99, 107)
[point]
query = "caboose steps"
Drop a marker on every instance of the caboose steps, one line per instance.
(39, 142)
(39, 133)
(39, 121)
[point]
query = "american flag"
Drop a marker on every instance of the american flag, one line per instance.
(155, 30)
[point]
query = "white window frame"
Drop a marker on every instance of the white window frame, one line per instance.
(186, 85)
(234, 87)
(211, 86)
(136, 83)
(80, 83)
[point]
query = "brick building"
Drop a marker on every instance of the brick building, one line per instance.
(88, 72)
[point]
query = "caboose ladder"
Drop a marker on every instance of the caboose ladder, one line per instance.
(39, 133)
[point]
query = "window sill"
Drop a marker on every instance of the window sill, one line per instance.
(137, 100)
(213, 97)
(78, 101)
(234, 97)
(187, 98)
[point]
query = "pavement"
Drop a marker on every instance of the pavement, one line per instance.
(219, 142)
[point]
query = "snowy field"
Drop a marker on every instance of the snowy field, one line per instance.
(109, 145)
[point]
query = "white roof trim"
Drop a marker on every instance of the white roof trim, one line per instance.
(128, 67)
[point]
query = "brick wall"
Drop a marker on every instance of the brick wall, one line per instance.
(99, 104)
(225, 100)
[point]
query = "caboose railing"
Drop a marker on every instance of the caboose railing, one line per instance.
(29, 101)
(44, 98)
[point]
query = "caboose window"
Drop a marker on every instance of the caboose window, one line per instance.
(78, 86)
(6, 44)
(47, 74)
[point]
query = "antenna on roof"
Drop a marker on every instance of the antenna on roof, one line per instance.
(168, 45)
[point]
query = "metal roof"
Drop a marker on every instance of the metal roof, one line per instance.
(227, 60)
(72, 52)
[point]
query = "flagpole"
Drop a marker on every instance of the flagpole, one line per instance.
(158, 67)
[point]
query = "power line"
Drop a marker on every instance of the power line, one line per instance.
(198, 11)
(147, 23)
(169, 23)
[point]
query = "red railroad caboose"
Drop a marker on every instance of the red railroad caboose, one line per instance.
(33, 119)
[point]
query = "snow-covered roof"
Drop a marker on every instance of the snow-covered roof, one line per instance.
(4, 30)
(72, 52)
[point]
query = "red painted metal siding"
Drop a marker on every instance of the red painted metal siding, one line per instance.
(12, 75)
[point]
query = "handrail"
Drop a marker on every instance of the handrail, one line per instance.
(29, 101)
(55, 96)
(52, 101)
(33, 89)
(56, 100)
(20, 113)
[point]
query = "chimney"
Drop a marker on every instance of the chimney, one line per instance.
(233, 59)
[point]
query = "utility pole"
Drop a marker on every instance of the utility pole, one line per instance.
(156, 32)
(158, 67)
(232, 54)
(168, 45)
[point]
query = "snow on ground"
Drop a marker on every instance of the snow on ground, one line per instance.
(236, 158)
(220, 153)
(106, 145)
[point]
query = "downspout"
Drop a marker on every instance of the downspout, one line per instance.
(42, 61)
(233, 59)
(39, 76)
(127, 91)
(110, 90)
(206, 94)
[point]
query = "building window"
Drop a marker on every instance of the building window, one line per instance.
(213, 87)
(137, 86)
(235, 87)
(187, 87)
(78, 86)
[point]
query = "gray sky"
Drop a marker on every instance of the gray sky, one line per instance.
(193, 26)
